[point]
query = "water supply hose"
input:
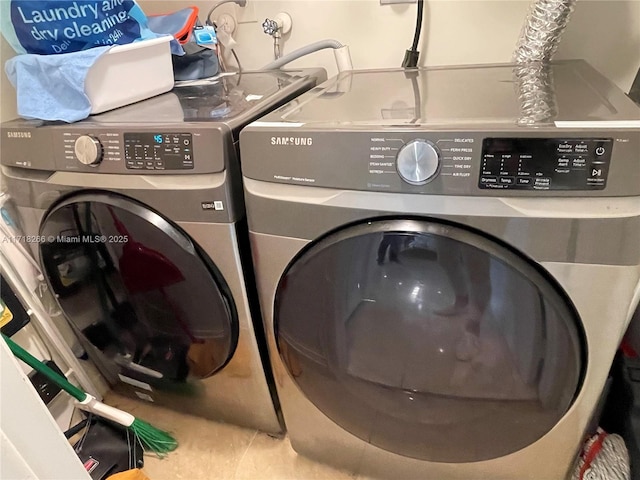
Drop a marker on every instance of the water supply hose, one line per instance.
(341, 52)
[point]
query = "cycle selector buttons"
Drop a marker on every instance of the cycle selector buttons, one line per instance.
(418, 162)
(88, 150)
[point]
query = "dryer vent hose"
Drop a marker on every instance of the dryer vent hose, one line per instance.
(538, 42)
(536, 94)
(543, 27)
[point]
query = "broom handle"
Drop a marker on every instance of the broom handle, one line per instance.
(90, 404)
(37, 365)
(85, 401)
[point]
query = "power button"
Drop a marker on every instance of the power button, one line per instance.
(600, 151)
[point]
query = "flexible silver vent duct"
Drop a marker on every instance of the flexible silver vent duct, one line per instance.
(536, 94)
(537, 44)
(542, 29)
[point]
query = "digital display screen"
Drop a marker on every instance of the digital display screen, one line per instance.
(545, 163)
(158, 151)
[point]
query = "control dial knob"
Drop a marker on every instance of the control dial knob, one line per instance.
(418, 162)
(88, 150)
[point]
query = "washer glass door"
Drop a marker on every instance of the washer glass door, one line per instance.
(429, 340)
(151, 305)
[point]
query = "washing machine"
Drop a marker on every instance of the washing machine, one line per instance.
(446, 273)
(137, 218)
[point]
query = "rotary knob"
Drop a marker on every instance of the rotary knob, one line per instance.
(418, 162)
(88, 150)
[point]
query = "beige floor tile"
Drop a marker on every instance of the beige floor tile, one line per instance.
(217, 451)
(207, 450)
(274, 459)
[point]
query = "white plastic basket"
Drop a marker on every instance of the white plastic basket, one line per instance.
(130, 73)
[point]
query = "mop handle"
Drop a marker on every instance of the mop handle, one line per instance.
(37, 365)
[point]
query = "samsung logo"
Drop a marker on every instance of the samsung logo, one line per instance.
(295, 141)
(19, 134)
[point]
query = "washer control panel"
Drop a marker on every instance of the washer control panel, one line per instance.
(131, 149)
(158, 151)
(545, 163)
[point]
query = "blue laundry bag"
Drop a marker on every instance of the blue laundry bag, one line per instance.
(63, 26)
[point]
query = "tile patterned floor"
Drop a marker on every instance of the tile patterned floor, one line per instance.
(217, 451)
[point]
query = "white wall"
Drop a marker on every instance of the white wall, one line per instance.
(7, 92)
(605, 32)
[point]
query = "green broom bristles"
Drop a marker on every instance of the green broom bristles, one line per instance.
(152, 438)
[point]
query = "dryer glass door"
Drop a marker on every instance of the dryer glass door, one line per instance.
(150, 305)
(429, 340)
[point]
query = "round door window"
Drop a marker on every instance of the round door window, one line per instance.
(151, 304)
(429, 340)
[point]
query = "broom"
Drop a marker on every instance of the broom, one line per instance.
(151, 438)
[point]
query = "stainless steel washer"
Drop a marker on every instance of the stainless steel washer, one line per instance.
(138, 221)
(444, 281)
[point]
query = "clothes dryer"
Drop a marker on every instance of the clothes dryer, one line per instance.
(137, 218)
(446, 273)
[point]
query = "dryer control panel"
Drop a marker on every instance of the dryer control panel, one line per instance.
(545, 163)
(525, 162)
